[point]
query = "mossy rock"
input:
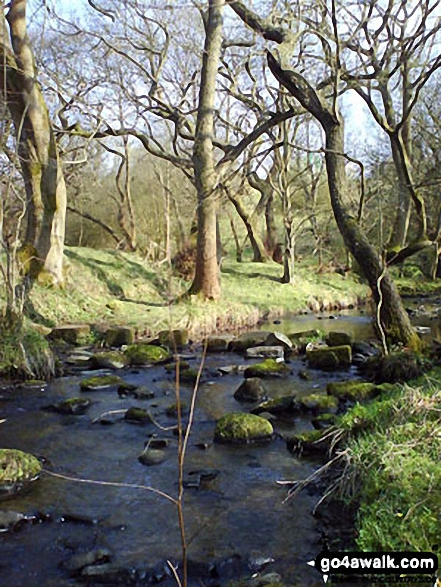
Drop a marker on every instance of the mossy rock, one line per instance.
(138, 415)
(318, 403)
(218, 344)
(145, 354)
(118, 336)
(74, 334)
(17, 469)
(397, 367)
(310, 442)
(267, 368)
(301, 339)
(108, 360)
(172, 410)
(329, 358)
(100, 382)
(183, 366)
(240, 428)
(189, 376)
(357, 391)
(280, 405)
(75, 406)
(335, 338)
(173, 338)
(249, 339)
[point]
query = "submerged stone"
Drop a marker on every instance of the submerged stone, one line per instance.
(329, 358)
(17, 469)
(267, 368)
(152, 456)
(75, 406)
(240, 428)
(145, 354)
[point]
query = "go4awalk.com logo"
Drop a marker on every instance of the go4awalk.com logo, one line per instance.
(360, 564)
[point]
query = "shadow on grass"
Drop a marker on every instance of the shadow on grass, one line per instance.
(256, 275)
(114, 288)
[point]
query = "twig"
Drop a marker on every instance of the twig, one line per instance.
(111, 484)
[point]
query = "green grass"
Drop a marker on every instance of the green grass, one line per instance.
(393, 450)
(115, 288)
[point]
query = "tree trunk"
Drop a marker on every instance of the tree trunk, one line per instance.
(398, 235)
(259, 252)
(37, 149)
(394, 318)
(271, 230)
(206, 280)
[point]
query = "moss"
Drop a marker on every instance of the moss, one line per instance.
(116, 337)
(100, 382)
(17, 467)
(267, 368)
(189, 376)
(74, 406)
(319, 403)
(24, 352)
(240, 428)
(397, 367)
(144, 354)
(352, 390)
(175, 338)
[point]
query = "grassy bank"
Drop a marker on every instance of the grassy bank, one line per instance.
(393, 469)
(109, 287)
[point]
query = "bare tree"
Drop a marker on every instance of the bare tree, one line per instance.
(36, 146)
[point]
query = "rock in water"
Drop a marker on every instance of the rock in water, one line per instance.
(240, 428)
(251, 390)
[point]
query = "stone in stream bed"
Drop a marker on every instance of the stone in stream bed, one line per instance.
(250, 390)
(265, 352)
(318, 403)
(74, 334)
(135, 391)
(76, 563)
(108, 360)
(218, 344)
(240, 428)
(138, 416)
(335, 338)
(267, 369)
(100, 382)
(11, 521)
(329, 358)
(75, 406)
(17, 469)
(152, 456)
(249, 339)
(278, 339)
(286, 404)
(119, 336)
(145, 354)
(174, 338)
(311, 442)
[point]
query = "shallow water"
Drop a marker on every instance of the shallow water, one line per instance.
(239, 514)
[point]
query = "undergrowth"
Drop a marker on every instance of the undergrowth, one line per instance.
(392, 452)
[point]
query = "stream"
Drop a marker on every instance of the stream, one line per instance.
(236, 524)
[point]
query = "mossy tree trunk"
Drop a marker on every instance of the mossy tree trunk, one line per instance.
(393, 317)
(206, 280)
(40, 164)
